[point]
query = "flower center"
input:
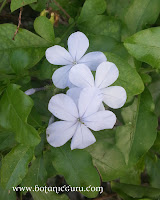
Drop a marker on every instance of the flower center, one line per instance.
(74, 62)
(80, 120)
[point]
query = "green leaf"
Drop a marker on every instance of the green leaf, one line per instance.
(138, 134)
(15, 107)
(128, 76)
(48, 196)
(136, 191)
(7, 140)
(133, 174)
(152, 168)
(46, 70)
(140, 13)
(19, 60)
(91, 8)
(30, 45)
(154, 88)
(102, 25)
(76, 167)
(117, 7)
(15, 4)
(15, 165)
(44, 28)
(5, 194)
(37, 174)
(106, 156)
(145, 46)
(156, 146)
(51, 172)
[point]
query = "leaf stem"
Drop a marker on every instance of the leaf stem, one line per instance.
(2, 6)
(62, 9)
(19, 23)
(147, 70)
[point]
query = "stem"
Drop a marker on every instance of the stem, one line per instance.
(2, 6)
(19, 22)
(147, 70)
(60, 7)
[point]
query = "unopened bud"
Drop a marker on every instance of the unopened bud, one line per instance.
(43, 13)
(52, 18)
(30, 91)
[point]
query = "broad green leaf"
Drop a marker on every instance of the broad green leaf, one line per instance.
(153, 170)
(156, 146)
(106, 44)
(128, 76)
(34, 118)
(102, 25)
(145, 46)
(133, 174)
(48, 196)
(7, 195)
(37, 174)
(154, 88)
(91, 8)
(15, 4)
(136, 191)
(31, 46)
(20, 59)
(46, 70)
(138, 134)
(76, 167)
(15, 107)
(15, 166)
(44, 28)
(107, 157)
(7, 140)
(140, 13)
(41, 146)
(39, 102)
(117, 7)
(51, 172)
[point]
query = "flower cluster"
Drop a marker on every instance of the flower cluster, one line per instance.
(82, 109)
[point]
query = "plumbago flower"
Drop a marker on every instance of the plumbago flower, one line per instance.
(78, 44)
(106, 74)
(78, 119)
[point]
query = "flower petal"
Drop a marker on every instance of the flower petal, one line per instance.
(60, 132)
(82, 138)
(81, 76)
(69, 84)
(61, 76)
(100, 120)
(58, 55)
(74, 93)
(89, 101)
(93, 59)
(63, 107)
(101, 108)
(114, 96)
(106, 74)
(78, 44)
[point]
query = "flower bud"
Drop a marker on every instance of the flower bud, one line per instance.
(30, 91)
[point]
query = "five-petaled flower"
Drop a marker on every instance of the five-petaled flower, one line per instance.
(78, 44)
(106, 74)
(77, 119)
